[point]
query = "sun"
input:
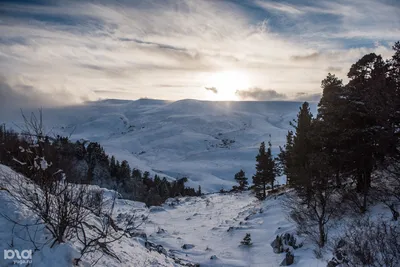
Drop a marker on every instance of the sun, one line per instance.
(225, 84)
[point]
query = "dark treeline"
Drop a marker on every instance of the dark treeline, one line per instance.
(87, 163)
(347, 157)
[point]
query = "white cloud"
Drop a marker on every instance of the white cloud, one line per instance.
(132, 49)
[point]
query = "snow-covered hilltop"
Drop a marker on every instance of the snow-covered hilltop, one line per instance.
(207, 141)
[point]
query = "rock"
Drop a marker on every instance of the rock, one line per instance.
(341, 244)
(213, 257)
(147, 244)
(161, 249)
(275, 242)
(333, 263)
(286, 238)
(188, 246)
(160, 231)
(156, 209)
(339, 255)
(277, 245)
(288, 260)
(138, 234)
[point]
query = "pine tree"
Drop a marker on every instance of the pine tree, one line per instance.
(137, 174)
(330, 114)
(146, 175)
(199, 193)
(246, 240)
(124, 172)
(241, 179)
(113, 167)
(298, 169)
(271, 168)
(365, 119)
(266, 171)
(284, 157)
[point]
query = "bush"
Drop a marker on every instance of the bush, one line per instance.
(95, 201)
(246, 240)
(372, 244)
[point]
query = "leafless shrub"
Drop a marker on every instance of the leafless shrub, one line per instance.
(95, 201)
(70, 212)
(388, 189)
(313, 218)
(371, 244)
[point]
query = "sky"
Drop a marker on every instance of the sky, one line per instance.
(62, 52)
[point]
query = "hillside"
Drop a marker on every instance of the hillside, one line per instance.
(210, 226)
(207, 141)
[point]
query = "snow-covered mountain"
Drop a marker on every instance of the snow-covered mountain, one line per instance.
(206, 141)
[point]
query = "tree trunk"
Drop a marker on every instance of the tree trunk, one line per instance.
(366, 186)
(264, 190)
(338, 182)
(395, 213)
(322, 235)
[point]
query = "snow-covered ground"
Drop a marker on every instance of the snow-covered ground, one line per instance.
(214, 224)
(206, 230)
(204, 140)
(19, 237)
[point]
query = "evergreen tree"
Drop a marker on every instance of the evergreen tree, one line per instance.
(330, 113)
(241, 179)
(113, 167)
(124, 174)
(298, 164)
(365, 120)
(199, 193)
(284, 157)
(146, 175)
(136, 175)
(246, 240)
(265, 171)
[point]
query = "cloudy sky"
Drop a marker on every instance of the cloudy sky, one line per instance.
(73, 51)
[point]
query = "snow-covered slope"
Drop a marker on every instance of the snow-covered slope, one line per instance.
(29, 234)
(216, 224)
(211, 226)
(206, 141)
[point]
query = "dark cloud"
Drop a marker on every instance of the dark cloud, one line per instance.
(311, 57)
(212, 89)
(260, 94)
(310, 97)
(11, 97)
(22, 96)
(159, 45)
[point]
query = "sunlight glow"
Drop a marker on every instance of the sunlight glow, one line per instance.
(226, 83)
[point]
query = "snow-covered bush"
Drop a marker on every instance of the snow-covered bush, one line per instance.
(367, 243)
(246, 240)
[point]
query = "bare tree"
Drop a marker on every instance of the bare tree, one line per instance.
(313, 213)
(69, 211)
(388, 189)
